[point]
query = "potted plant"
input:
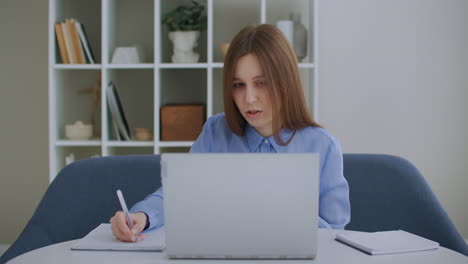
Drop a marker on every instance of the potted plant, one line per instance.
(185, 23)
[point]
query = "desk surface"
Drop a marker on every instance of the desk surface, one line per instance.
(329, 251)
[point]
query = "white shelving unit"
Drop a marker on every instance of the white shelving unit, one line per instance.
(145, 87)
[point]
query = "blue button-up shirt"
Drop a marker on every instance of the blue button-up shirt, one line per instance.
(334, 207)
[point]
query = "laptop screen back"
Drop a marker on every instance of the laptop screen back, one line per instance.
(249, 205)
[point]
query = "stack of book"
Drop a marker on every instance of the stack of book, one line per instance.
(73, 42)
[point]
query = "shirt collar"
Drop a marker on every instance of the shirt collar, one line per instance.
(254, 139)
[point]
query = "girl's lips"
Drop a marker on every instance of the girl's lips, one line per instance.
(253, 114)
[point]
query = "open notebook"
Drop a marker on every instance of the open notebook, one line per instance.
(101, 238)
(386, 242)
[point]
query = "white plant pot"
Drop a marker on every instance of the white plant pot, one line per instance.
(184, 42)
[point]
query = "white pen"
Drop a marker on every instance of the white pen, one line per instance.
(124, 208)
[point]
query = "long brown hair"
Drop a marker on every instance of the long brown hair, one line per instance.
(280, 68)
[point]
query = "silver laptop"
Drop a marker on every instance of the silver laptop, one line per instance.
(241, 206)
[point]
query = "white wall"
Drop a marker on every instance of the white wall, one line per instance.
(23, 112)
(393, 79)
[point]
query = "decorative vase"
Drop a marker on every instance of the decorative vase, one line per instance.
(184, 42)
(299, 37)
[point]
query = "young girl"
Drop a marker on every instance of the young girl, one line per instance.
(264, 111)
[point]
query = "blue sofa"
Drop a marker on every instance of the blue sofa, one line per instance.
(386, 193)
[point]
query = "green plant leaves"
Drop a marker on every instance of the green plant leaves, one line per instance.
(186, 18)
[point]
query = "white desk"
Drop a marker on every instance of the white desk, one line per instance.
(329, 251)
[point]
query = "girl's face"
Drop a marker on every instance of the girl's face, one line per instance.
(251, 95)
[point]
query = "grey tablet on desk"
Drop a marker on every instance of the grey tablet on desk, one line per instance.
(241, 206)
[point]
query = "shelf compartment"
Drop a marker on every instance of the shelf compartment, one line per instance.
(71, 103)
(280, 10)
(131, 23)
(88, 13)
(136, 92)
(166, 44)
(183, 86)
(229, 17)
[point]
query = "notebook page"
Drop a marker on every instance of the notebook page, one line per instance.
(101, 238)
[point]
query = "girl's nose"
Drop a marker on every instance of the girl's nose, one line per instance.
(250, 95)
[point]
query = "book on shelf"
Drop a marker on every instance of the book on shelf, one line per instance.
(61, 43)
(68, 43)
(78, 50)
(73, 42)
(85, 43)
(121, 127)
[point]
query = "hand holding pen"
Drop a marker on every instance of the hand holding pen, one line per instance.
(127, 226)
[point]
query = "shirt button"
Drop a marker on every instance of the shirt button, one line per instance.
(266, 141)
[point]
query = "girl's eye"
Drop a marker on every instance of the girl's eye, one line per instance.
(237, 85)
(260, 83)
